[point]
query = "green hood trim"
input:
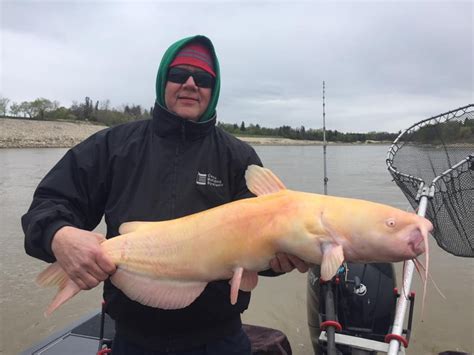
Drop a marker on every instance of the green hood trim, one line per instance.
(168, 57)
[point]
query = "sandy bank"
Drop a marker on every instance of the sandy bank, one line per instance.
(15, 133)
(277, 141)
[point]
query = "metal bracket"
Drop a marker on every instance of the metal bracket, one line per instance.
(425, 191)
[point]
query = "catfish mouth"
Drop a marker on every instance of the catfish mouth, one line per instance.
(416, 241)
(418, 237)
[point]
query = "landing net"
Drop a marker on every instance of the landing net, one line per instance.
(435, 157)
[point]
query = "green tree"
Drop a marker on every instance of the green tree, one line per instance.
(87, 108)
(15, 109)
(26, 109)
(40, 107)
(61, 113)
(4, 105)
(104, 105)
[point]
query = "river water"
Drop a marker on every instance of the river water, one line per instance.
(353, 171)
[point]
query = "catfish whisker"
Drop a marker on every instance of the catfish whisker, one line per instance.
(431, 279)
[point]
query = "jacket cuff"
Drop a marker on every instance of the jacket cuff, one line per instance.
(49, 233)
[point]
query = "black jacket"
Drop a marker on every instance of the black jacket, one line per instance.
(149, 170)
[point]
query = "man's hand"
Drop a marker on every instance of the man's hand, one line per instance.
(285, 263)
(79, 253)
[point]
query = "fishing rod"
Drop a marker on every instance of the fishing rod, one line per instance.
(328, 287)
(335, 294)
(324, 141)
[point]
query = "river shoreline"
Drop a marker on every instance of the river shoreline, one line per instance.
(18, 133)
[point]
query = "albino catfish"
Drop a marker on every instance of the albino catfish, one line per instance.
(168, 264)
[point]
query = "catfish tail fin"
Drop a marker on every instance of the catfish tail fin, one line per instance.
(52, 276)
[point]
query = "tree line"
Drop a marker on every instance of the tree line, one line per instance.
(302, 133)
(89, 110)
(454, 131)
(101, 112)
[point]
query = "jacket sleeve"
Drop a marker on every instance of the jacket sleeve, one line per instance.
(73, 193)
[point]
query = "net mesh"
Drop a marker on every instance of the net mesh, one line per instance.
(437, 155)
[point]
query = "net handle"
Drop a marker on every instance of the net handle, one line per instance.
(402, 303)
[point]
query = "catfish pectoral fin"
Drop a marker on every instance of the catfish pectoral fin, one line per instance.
(333, 256)
(235, 284)
(242, 280)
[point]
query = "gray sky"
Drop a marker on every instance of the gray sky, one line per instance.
(387, 64)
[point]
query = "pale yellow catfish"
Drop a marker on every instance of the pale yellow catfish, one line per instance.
(168, 264)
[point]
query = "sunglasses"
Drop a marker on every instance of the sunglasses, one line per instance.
(201, 78)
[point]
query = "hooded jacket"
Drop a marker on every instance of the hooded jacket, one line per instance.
(149, 170)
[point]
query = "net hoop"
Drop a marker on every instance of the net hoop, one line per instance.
(435, 158)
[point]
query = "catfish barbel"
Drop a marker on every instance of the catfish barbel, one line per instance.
(168, 264)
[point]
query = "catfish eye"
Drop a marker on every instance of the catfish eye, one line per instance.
(390, 222)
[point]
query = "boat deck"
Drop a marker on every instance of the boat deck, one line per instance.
(83, 337)
(80, 338)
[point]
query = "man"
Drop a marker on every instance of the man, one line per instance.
(173, 165)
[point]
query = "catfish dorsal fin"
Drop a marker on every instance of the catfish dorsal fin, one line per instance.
(261, 181)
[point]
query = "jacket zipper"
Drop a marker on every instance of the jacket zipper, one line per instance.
(175, 170)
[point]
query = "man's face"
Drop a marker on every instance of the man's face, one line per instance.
(187, 100)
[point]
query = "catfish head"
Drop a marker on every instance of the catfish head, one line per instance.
(371, 232)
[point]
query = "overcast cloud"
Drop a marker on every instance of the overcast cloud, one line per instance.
(386, 64)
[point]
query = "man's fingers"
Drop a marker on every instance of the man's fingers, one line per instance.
(298, 263)
(79, 283)
(97, 273)
(85, 281)
(91, 281)
(80, 254)
(105, 264)
(87, 274)
(88, 278)
(102, 260)
(284, 262)
(100, 237)
(275, 265)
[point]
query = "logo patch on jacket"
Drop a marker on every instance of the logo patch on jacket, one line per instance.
(208, 179)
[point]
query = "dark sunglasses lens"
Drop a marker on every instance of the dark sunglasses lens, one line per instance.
(203, 80)
(179, 76)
